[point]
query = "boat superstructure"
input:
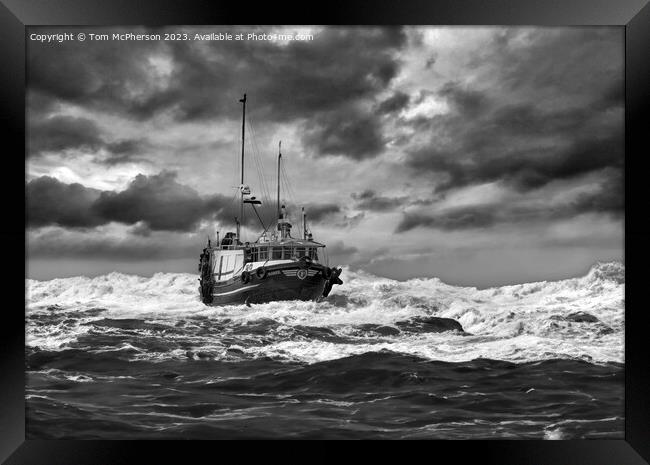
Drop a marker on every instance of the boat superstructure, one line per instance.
(276, 266)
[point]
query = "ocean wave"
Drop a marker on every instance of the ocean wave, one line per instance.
(162, 316)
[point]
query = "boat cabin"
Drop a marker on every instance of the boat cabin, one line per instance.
(286, 250)
(231, 257)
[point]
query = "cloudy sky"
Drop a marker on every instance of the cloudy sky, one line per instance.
(481, 155)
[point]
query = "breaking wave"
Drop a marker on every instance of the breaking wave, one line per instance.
(161, 318)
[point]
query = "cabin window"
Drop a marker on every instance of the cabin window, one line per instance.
(276, 253)
(263, 254)
(300, 251)
(313, 253)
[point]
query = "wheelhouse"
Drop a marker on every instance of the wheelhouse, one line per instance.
(294, 250)
(230, 258)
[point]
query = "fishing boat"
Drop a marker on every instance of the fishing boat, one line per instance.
(275, 266)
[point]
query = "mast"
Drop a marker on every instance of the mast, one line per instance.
(279, 159)
(241, 188)
(304, 224)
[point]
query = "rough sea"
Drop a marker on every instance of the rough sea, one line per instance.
(128, 357)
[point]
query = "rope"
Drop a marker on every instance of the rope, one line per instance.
(264, 187)
(289, 189)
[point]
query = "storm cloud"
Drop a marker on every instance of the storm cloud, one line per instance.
(358, 135)
(607, 199)
(157, 202)
(59, 133)
(196, 79)
(396, 102)
(477, 137)
(318, 212)
(322, 85)
(369, 200)
(532, 127)
(51, 202)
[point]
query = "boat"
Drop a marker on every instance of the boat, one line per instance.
(273, 267)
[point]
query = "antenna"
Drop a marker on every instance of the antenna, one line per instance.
(241, 206)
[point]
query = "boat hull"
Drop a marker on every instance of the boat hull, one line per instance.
(280, 282)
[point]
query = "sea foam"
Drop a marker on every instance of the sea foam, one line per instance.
(520, 323)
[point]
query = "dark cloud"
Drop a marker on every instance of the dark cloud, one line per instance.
(156, 202)
(369, 200)
(105, 75)
(524, 168)
(318, 212)
(160, 201)
(298, 80)
(574, 62)
(149, 203)
(63, 132)
(124, 151)
(356, 134)
(459, 218)
(610, 198)
(394, 103)
(204, 79)
(326, 84)
(465, 101)
(582, 156)
(51, 202)
(555, 112)
(607, 199)
(520, 145)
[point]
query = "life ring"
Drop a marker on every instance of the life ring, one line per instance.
(327, 272)
(305, 262)
(245, 277)
(261, 272)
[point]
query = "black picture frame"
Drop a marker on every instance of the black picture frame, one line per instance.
(633, 15)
